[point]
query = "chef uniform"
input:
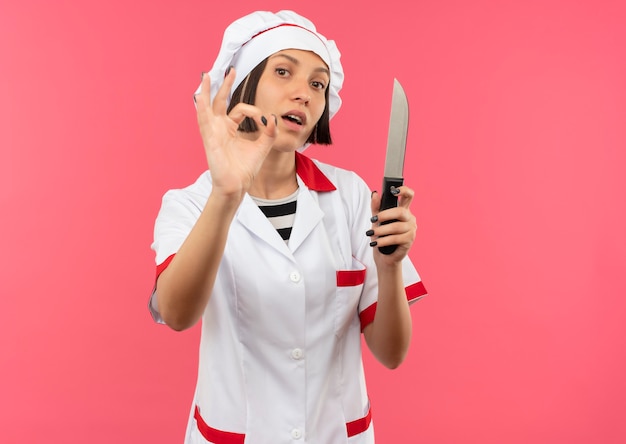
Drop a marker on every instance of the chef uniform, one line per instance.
(280, 350)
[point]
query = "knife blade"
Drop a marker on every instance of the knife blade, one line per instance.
(396, 147)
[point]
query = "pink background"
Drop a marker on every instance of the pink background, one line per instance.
(516, 152)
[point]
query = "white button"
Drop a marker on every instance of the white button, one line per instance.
(296, 434)
(294, 276)
(296, 353)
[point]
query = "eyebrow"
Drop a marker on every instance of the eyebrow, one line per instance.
(295, 61)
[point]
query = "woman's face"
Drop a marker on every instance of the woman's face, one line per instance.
(293, 88)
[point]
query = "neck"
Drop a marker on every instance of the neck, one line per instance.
(277, 176)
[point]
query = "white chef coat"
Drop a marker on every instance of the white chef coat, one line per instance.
(280, 351)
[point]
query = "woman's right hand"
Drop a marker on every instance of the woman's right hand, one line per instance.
(234, 157)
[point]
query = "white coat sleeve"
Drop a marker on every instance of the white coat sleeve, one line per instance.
(179, 212)
(361, 250)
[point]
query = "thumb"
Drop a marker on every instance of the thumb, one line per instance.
(269, 131)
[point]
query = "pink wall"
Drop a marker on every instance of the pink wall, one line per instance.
(517, 154)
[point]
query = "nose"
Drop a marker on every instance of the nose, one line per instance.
(301, 92)
(303, 98)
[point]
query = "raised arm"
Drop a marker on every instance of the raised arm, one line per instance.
(389, 335)
(184, 287)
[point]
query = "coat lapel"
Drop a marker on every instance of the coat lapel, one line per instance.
(311, 181)
(308, 215)
(251, 217)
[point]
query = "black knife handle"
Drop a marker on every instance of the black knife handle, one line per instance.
(388, 200)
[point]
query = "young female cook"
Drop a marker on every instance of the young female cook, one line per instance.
(275, 252)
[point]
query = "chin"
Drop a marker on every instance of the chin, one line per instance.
(285, 145)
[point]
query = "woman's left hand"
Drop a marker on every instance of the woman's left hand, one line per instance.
(400, 232)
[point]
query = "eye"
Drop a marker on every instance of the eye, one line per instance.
(282, 72)
(318, 85)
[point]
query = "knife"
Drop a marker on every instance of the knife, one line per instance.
(396, 146)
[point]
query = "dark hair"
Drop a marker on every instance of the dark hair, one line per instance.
(246, 92)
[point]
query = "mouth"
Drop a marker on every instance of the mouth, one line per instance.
(297, 118)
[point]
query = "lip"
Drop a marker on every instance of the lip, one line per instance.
(293, 125)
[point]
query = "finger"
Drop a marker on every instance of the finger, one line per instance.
(375, 203)
(405, 197)
(402, 246)
(220, 103)
(394, 228)
(243, 110)
(264, 124)
(396, 233)
(393, 214)
(205, 90)
(271, 129)
(203, 99)
(268, 132)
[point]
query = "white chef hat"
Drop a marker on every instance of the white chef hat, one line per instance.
(251, 39)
